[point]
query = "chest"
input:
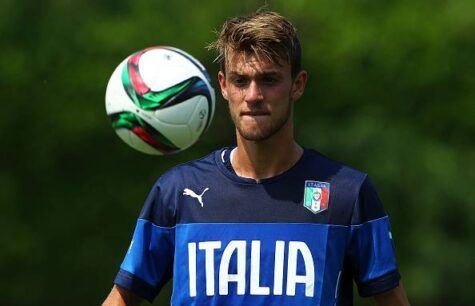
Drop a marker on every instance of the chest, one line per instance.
(292, 202)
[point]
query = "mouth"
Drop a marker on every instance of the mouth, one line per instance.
(255, 113)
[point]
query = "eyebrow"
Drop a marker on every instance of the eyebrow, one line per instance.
(259, 74)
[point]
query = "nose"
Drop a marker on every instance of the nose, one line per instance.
(254, 93)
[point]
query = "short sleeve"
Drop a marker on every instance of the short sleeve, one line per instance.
(371, 249)
(148, 263)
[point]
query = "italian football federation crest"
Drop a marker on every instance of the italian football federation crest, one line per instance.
(316, 196)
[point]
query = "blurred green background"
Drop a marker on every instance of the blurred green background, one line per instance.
(391, 91)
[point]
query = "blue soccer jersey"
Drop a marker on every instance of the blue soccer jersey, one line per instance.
(299, 238)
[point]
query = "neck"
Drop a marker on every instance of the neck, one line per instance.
(266, 158)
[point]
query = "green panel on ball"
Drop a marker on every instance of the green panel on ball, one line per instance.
(154, 99)
(140, 93)
(132, 122)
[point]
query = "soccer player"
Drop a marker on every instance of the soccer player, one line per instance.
(267, 222)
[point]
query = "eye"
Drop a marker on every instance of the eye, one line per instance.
(239, 82)
(269, 80)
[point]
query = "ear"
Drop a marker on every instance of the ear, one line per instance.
(298, 86)
(222, 84)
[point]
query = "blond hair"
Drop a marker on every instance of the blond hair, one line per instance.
(263, 34)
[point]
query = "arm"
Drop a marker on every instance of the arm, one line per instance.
(122, 297)
(393, 297)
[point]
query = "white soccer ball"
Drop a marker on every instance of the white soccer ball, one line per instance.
(160, 100)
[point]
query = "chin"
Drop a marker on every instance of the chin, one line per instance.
(255, 134)
(255, 137)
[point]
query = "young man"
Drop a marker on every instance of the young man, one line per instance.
(266, 222)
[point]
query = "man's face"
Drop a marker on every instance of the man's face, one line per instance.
(260, 95)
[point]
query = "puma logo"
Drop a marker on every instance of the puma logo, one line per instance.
(192, 194)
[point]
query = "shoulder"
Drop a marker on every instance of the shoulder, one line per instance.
(203, 164)
(160, 204)
(185, 172)
(353, 198)
(335, 171)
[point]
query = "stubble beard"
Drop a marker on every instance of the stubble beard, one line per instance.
(263, 132)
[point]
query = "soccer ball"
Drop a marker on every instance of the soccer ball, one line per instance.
(160, 100)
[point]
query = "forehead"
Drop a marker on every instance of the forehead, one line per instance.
(244, 63)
